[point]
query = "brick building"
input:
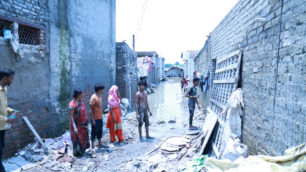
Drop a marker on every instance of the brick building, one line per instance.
(126, 72)
(58, 46)
(271, 36)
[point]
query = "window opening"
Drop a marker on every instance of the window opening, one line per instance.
(28, 35)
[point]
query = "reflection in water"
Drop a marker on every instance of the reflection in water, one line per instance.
(167, 103)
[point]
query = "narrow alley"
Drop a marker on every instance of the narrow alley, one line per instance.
(169, 119)
(225, 82)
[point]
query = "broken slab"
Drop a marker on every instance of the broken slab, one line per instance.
(208, 127)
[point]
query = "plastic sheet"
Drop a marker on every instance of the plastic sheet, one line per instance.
(294, 160)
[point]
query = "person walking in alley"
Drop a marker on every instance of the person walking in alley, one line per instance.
(78, 124)
(96, 116)
(193, 99)
(142, 109)
(6, 79)
(114, 115)
(185, 85)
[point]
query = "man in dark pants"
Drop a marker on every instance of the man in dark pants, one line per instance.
(6, 79)
(193, 99)
(96, 115)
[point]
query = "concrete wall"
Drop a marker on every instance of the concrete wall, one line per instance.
(273, 76)
(126, 72)
(83, 46)
(78, 51)
(29, 94)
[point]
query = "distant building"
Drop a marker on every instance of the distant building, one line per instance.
(150, 66)
(188, 58)
(174, 72)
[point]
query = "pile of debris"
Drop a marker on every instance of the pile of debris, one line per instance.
(57, 156)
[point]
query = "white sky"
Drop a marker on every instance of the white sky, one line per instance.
(169, 27)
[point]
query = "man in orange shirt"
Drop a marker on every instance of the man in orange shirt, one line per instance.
(96, 115)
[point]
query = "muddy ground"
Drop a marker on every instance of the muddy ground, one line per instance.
(170, 118)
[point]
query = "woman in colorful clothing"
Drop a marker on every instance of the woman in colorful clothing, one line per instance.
(114, 115)
(78, 123)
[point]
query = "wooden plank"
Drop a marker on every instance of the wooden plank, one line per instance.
(225, 81)
(234, 53)
(35, 133)
(229, 67)
(221, 122)
(208, 127)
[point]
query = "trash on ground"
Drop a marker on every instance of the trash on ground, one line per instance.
(195, 165)
(294, 160)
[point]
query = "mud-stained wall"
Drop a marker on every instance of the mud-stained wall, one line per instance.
(85, 45)
(272, 36)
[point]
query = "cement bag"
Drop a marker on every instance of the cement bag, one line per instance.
(125, 102)
(234, 149)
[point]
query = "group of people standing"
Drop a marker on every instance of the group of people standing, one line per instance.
(78, 115)
(79, 118)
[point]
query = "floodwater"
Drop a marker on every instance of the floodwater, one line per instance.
(168, 104)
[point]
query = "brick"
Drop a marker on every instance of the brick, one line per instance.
(260, 46)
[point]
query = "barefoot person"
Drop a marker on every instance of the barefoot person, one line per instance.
(142, 109)
(96, 116)
(6, 79)
(78, 123)
(114, 115)
(193, 99)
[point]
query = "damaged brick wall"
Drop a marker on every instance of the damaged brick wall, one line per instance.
(126, 72)
(78, 53)
(29, 93)
(31, 11)
(273, 76)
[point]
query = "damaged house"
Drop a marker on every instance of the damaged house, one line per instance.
(57, 46)
(259, 47)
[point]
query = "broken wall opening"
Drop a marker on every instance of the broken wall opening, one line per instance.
(4, 24)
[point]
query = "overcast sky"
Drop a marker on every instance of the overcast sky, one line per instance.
(169, 26)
